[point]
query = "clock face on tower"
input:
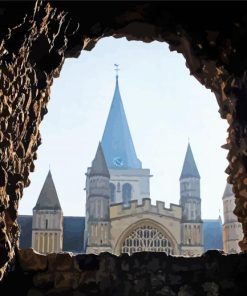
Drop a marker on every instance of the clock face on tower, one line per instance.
(118, 162)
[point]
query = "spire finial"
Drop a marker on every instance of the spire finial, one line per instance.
(188, 140)
(116, 69)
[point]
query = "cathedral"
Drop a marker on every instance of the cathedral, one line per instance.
(120, 217)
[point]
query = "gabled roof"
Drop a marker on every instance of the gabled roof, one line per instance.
(117, 142)
(228, 191)
(212, 233)
(189, 166)
(48, 199)
(99, 166)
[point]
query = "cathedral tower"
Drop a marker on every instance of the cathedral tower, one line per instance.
(191, 224)
(97, 230)
(47, 225)
(128, 181)
(232, 229)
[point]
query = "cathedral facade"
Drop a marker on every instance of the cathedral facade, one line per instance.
(120, 217)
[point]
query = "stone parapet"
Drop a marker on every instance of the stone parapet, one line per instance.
(120, 210)
(213, 273)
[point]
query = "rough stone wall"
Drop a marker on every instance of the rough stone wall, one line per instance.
(32, 52)
(148, 274)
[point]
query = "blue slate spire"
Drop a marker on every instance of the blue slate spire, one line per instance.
(116, 142)
(189, 167)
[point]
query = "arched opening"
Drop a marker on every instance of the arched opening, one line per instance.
(113, 192)
(126, 194)
(203, 54)
(147, 239)
(121, 194)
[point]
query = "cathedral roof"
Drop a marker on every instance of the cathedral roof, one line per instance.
(73, 233)
(228, 191)
(212, 233)
(117, 142)
(99, 166)
(189, 166)
(48, 199)
(25, 223)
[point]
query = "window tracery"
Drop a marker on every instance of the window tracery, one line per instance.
(147, 238)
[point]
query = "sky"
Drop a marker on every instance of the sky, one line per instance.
(165, 108)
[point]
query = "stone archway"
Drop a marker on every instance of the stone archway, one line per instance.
(146, 236)
(37, 37)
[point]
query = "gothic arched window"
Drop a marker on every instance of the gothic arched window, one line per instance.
(146, 238)
(113, 192)
(126, 193)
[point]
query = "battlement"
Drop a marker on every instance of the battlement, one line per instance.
(120, 210)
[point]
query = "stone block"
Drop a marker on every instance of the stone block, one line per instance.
(35, 292)
(44, 280)
(64, 280)
(211, 288)
(86, 262)
(186, 290)
(32, 261)
(64, 261)
(51, 261)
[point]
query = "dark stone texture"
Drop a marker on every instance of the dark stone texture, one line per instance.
(213, 273)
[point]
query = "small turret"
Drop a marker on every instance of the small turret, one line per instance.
(190, 202)
(190, 189)
(232, 229)
(228, 191)
(97, 230)
(47, 226)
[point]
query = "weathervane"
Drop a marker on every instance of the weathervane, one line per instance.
(116, 69)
